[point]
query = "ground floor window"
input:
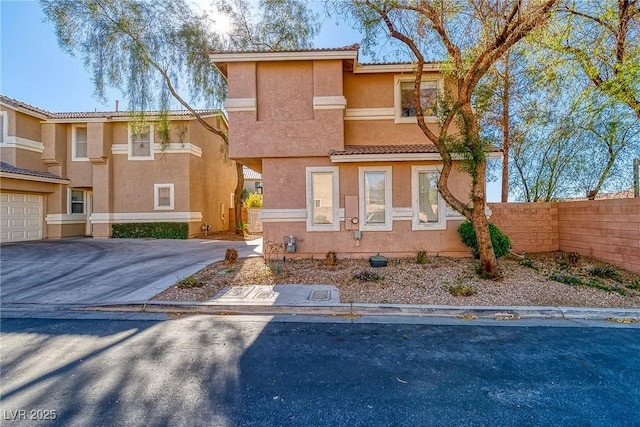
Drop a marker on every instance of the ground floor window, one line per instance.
(375, 198)
(76, 201)
(322, 199)
(163, 196)
(429, 211)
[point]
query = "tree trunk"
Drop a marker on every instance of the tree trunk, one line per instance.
(488, 261)
(237, 198)
(505, 122)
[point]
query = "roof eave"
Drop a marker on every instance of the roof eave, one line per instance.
(12, 175)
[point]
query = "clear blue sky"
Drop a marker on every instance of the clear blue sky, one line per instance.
(33, 68)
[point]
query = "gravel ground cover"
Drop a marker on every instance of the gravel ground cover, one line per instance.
(548, 279)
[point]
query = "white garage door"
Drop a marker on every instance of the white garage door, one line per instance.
(20, 217)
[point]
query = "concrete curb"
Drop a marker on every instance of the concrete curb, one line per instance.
(359, 310)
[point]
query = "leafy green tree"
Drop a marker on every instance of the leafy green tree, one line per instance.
(156, 52)
(601, 38)
(470, 36)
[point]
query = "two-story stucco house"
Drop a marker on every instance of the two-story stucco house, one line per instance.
(344, 165)
(76, 174)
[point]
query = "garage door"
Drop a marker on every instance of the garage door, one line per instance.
(20, 217)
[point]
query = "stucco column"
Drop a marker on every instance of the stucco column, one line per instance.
(99, 139)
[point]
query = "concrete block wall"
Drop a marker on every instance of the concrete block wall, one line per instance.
(608, 230)
(532, 227)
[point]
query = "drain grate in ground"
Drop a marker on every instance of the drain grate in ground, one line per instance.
(238, 292)
(320, 295)
(264, 295)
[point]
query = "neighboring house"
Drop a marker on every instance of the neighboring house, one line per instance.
(344, 164)
(76, 174)
(252, 180)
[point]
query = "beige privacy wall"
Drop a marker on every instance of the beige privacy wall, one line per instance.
(608, 230)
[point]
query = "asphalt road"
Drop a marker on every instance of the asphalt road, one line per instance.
(101, 271)
(230, 371)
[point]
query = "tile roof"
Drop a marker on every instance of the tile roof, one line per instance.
(8, 168)
(384, 149)
(96, 114)
(350, 150)
(19, 104)
(250, 173)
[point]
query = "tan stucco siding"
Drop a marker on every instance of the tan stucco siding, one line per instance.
(285, 121)
(22, 129)
(384, 132)
(25, 126)
(212, 177)
(134, 182)
(285, 189)
(368, 90)
(276, 101)
(402, 241)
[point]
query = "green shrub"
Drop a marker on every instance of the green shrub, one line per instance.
(567, 279)
(368, 276)
(188, 282)
(635, 285)
(501, 242)
(529, 264)
(153, 230)
(422, 258)
(253, 200)
(605, 271)
(461, 290)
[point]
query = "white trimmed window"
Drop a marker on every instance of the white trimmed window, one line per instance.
(79, 143)
(429, 208)
(322, 199)
(163, 195)
(141, 142)
(76, 202)
(3, 127)
(375, 198)
(404, 105)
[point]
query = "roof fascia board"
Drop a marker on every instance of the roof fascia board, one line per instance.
(33, 178)
(123, 119)
(282, 56)
(392, 68)
(398, 157)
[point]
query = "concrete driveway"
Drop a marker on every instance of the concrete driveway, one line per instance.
(88, 271)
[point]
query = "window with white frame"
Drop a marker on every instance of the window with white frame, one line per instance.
(375, 198)
(163, 196)
(76, 201)
(429, 208)
(322, 199)
(79, 143)
(141, 142)
(3, 127)
(405, 107)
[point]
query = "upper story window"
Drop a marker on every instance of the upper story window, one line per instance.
(375, 198)
(322, 199)
(429, 208)
(3, 127)
(79, 143)
(141, 142)
(405, 108)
